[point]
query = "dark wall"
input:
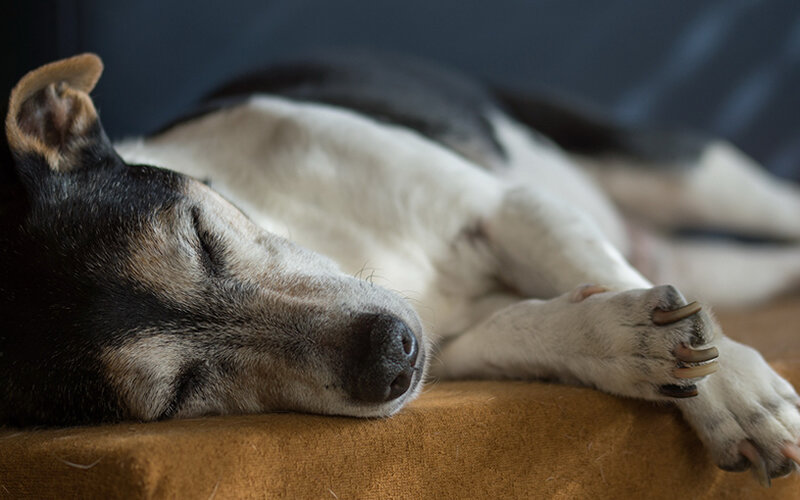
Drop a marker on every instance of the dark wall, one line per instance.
(730, 67)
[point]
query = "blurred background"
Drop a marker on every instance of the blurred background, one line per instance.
(727, 67)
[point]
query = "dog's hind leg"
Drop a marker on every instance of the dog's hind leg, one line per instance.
(672, 178)
(721, 272)
(719, 189)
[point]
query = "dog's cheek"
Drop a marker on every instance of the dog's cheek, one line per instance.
(143, 372)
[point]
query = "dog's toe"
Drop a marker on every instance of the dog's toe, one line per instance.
(757, 462)
(747, 415)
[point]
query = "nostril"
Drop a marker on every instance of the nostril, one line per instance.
(409, 345)
(400, 384)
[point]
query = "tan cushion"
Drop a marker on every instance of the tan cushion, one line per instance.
(459, 440)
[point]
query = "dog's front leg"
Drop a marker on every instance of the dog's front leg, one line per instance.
(618, 337)
(617, 342)
(746, 414)
(623, 343)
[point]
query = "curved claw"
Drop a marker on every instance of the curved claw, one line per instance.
(662, 317)
(677, 391)
(696, 371)
(792, 452)
(689, 355)
(759, 466)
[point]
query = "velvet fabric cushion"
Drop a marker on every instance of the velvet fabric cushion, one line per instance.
(472, 439)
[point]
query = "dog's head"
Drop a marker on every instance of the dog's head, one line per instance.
(130, 291)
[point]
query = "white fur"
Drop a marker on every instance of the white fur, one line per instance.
(378, 210)
(569, 336)
(420, 220)
(536, 161)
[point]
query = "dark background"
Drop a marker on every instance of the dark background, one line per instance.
(729, 67)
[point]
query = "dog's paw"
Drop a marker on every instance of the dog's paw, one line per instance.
(659, 344)
(747, 415)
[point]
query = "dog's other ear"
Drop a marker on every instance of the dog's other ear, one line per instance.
(50, 113)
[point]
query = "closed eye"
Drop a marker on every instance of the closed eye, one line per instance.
(210, 248)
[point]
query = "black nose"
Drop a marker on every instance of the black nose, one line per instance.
(387, 366)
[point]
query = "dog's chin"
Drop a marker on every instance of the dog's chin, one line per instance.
(385, 410)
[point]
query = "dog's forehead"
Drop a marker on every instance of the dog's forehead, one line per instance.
(116, 193)
(138, 188)
(84, 222)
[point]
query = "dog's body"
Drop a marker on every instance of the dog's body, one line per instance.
(510, 259)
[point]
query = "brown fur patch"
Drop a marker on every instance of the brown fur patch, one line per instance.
(162, 258)
(50, 108)
(142, 371)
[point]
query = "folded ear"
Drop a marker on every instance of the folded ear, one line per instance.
(50, 113)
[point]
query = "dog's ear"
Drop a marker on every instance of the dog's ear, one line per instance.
(50, 114)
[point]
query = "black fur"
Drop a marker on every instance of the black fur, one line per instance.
(442, 105)
(452, 109)
(579, 130)
(62, 235)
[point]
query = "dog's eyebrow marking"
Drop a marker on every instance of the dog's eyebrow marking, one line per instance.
(211, 248)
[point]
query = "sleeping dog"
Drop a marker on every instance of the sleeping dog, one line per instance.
(319, 236)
